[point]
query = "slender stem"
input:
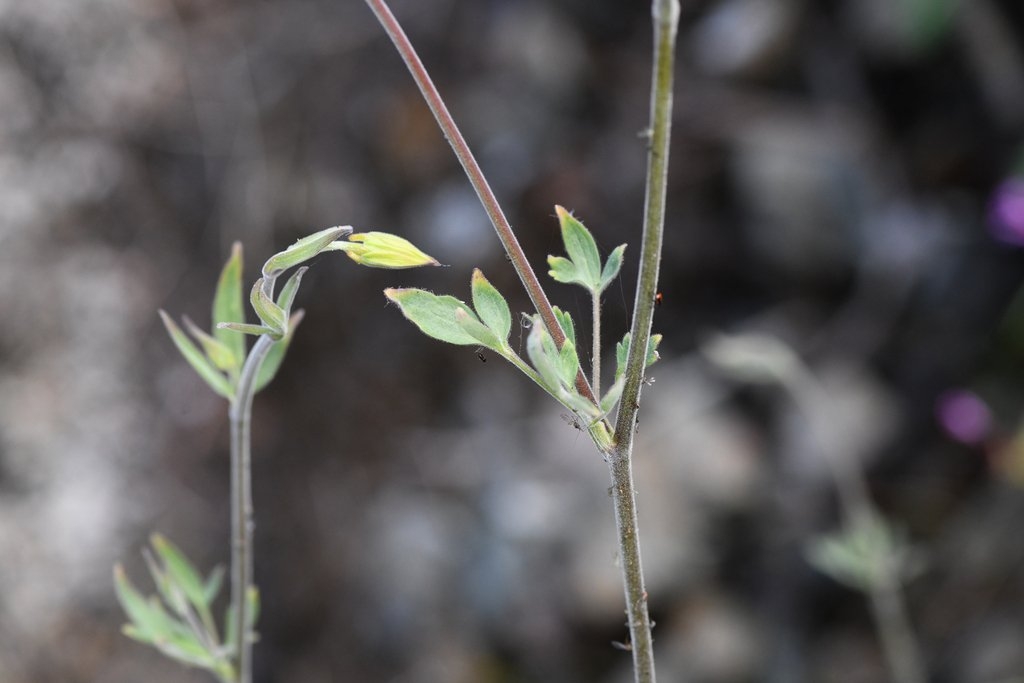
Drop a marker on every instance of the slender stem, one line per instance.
(665, 14)
(476, 178)
(595, 352)
(888, 606)
(241, 504)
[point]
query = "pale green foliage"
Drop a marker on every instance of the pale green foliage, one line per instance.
(302, 250)
(862, 555)
(178, 620)
(488, 323)
(583, 267)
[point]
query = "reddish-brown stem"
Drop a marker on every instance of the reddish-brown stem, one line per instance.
(476, 179)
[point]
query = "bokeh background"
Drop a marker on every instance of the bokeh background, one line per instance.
(842, 177)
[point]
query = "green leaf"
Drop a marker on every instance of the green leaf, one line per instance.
(213, 583)
(612, 266)
(148, 625)
(199, 362)
(472, 326)
(272, 363)
(433, 314)
(622, 353)
(568, 363)
(185, 647)
(228, 304)
(269, 312)
(303, 250)
(180, 571)
(172, 594)
(220, 354)
(491, 306)
(287, 296)
(540, 349)
(565, 271)
(581, 248)
(613, 395)
(565, 322)
(252, 594)
(246, 328)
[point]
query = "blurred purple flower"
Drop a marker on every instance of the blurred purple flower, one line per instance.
(964, 416)
(1006, 211)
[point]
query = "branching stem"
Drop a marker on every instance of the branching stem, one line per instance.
(665, 15)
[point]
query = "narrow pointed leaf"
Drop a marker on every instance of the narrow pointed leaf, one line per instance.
(148, 625)
(229, 305)
(199, 362)
(287, 296)
(303, 250)
(565, 322)
(272, 363)
(269, 312)
(581, 248)
(221, 355)
(433, 314)
(172, 594)
(612, 266)
(180, 571)
(491, 306)
(246, 328)
(213, 583)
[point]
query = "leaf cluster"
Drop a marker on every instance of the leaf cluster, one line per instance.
(488, 322)
(178, 620)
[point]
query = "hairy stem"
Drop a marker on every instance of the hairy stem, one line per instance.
(665, 14)
(241, 504)
(476, 179)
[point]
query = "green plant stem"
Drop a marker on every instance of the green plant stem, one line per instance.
(595, 351)
(665, 15)
(241, 504)
(476, 179)
(885, 594)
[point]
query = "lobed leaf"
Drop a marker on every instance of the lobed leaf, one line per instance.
(228, 304)
(565, 322)
(433, 314)
(622, 353)
(199, 362)
(612, 266)
(491, 306)
(568, 363)
(581, 248)
(472, 326)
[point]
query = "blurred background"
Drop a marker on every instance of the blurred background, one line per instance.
(847, 175)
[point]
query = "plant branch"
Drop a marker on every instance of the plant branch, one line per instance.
(241, 503)
(665, 15)
(476, 179)
(888, 606)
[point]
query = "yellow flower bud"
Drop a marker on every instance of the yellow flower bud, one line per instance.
(383, 250)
